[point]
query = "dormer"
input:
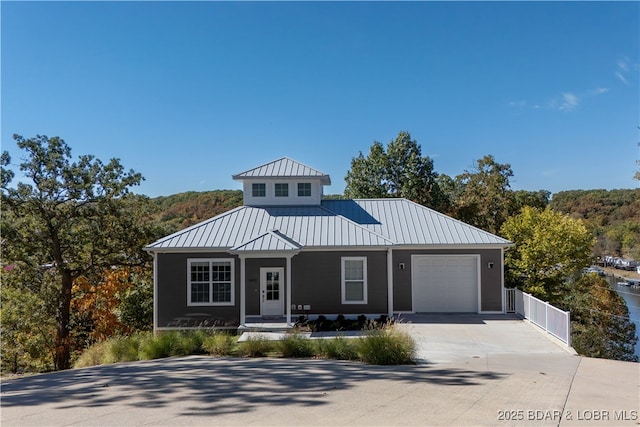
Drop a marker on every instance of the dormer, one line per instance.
(282, 182)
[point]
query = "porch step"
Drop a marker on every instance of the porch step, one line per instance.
(264, 327)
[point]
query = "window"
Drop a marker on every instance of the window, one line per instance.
(258, 190)
(282, 190)
(210, 282)
(354, 280)
(304, 189)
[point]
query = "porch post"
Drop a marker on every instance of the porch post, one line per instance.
(288, 298)
(504, 304)
(155, 292)
(390, 282)
(242, 291)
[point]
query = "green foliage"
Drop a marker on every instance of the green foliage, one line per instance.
(136, 308)
(75, 216)
(613, 216)
(400, 171)
(338, 348)
(295, 345)
(94, 355)
(256, 347)
(387, 346)
(549, 247)
(173, 343)
(221, 343)
(382, 346)
(599, 319)
(521, 198)
(182, 210)
(481, 197)
(26, 326)
(124, 349)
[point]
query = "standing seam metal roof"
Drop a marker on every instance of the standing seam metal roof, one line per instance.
(309, 226)
(336, 223)
(283, 168)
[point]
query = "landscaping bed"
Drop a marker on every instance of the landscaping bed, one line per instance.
(384, 344)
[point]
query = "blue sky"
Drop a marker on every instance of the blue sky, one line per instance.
(190, 93)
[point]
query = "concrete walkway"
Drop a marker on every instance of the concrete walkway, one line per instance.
(531, 381)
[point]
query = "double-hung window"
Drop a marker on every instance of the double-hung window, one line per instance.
(354, 280)
(210, 281)
(282, 190)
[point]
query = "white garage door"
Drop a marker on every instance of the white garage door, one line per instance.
(445, 283)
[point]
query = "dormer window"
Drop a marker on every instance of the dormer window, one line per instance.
(259, 190)
(304, 189)
(282, 182)
(282, 190)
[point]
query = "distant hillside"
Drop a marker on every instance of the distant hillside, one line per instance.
(613, 215)
(181, 210)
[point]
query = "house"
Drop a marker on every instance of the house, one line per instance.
(287, 252)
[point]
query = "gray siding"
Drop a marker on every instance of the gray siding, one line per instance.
(317, 282)
(171, 294)
(490, 279)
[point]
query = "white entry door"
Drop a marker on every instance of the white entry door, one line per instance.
(272, 291)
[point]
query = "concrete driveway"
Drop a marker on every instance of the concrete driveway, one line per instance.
(448, 338)
(497, 372)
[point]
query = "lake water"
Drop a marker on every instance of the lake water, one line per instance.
(632, 298)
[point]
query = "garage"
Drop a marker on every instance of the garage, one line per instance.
(445, 283)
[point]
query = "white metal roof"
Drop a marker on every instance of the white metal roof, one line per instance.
(270, 241)
(309, 226)
(408, 223)
(283, 168)
(335, 224)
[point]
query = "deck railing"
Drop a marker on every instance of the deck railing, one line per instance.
(542, 314)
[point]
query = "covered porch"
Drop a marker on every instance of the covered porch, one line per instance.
(269, 296)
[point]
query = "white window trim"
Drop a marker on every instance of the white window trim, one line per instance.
(364, 279)
(211, 260)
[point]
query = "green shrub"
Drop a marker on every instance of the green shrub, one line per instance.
(295, 345)
(92, 356)
(256, 347)
(387, 346)
(220, 344)
(169, 344)
(122, 349)
(337, 348)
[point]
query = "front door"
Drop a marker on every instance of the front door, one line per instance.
(272, 291)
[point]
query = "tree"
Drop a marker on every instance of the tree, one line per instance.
(600, 321)
(535, 199)
(77, 218)
(27, 324)
(549, 247)
(398, 171)
(481, 196)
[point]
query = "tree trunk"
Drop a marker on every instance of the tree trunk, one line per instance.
(62, 357)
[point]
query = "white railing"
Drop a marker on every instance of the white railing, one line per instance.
(553, 320)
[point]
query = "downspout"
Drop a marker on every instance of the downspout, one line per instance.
(390, 282)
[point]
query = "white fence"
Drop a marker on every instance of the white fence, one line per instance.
(553, 320)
